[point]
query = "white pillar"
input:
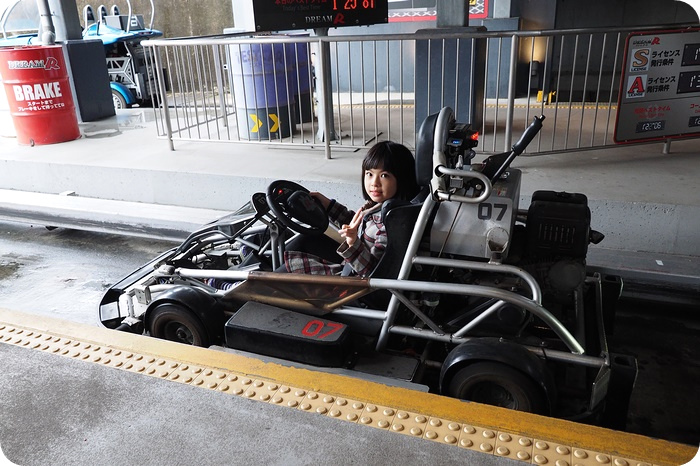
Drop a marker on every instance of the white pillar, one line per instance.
(47, 33)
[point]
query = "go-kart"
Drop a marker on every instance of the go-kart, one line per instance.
(473, 297)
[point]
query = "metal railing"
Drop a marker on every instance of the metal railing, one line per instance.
(347, 92)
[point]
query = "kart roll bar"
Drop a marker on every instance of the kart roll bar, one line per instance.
(466, 174)
(494, 166)
(437, 183)
(484, 292)
(485, 266)
(444, 122)
(128, 23)
(153, 13)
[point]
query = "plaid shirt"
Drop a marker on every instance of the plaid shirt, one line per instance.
(363, 256)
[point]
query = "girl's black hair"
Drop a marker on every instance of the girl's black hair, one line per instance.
(397, 160)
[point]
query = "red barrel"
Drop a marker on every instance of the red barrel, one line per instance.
(38, 91)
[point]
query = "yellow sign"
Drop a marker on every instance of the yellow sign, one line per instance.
(257, 123)
(275, 122)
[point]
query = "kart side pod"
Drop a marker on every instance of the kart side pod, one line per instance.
(272, 331)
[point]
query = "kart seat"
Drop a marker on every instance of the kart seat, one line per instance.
(400, 217)
(424, 156)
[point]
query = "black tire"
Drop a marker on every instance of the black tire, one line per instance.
(118, 100)
(497, 384)
(175, 323)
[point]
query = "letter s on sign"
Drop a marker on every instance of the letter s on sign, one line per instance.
(641, 58)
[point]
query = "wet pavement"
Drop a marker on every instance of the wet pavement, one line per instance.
(664, 338)
(63, 274)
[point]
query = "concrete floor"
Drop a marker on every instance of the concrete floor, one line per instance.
(644, 200)
(77, 413)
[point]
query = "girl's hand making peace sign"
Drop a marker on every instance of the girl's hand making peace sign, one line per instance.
(349, 232)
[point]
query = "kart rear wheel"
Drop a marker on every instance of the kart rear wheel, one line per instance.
(118, 100)
(176, 323)
(497, 384)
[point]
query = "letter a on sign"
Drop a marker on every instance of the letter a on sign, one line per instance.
(635, 86)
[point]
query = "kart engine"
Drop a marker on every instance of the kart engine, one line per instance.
(557, 234)
(549, 240)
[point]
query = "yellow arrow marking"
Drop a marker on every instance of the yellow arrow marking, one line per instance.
(257, 123)
(275, 122)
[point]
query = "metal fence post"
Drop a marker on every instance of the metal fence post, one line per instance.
(220, 83)
(512, 74)
(326, 131)
(163, 97)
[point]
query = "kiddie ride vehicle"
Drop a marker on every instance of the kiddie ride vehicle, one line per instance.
(130, 79)
(473, 298)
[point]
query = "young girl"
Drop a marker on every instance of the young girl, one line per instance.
(388, 172)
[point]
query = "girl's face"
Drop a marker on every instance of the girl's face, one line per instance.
(380, 184)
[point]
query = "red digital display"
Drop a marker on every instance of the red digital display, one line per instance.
(319, 329)
(277, 15)
(352, 4)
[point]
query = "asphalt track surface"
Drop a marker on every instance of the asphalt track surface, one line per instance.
(63, 273)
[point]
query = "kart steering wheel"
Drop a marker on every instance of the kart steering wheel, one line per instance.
(292, 204)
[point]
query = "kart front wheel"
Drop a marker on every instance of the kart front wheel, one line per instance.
(497, 384)
(176, 323)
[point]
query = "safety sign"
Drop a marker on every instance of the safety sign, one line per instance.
(659, 96)
(259, 122)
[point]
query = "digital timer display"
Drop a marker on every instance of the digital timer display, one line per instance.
(646, 126)
(278, 15)
(694, 122)
(691, 55)
(352, 4)
(688, 81)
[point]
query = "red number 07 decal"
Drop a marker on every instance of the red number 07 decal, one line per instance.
(313, 329)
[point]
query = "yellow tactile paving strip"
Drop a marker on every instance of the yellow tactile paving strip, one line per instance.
(493, 431)
(564, 105)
